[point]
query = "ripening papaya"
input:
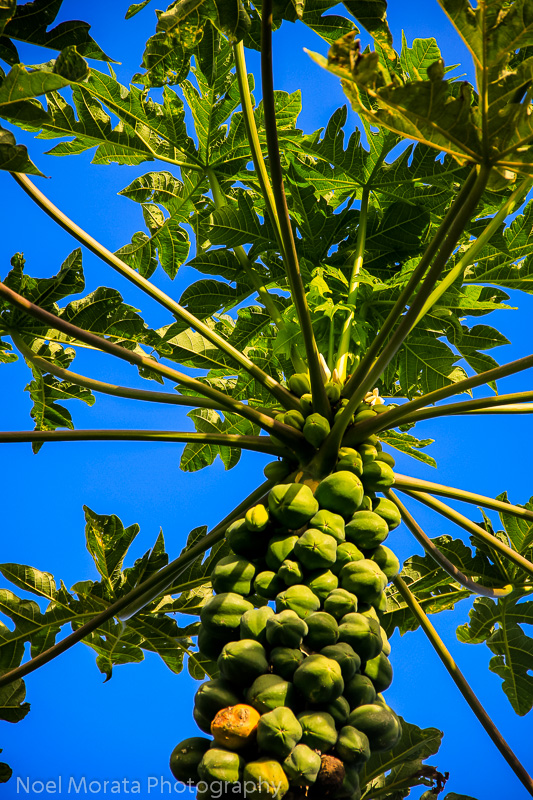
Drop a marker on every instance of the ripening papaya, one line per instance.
(346, 658)
(388, 510)
(186, 756)
(377, 476)
(366, 529)
(330, 523)
(340, 492)
(235, 727)
(379, 723)
(268, 692)
(302, 766)
(233, 574)
(353, 746)
(257, 518)
(298, 598)
(253, 624)
(278, 732)
(223, 612)
(285, 629)
(387, 561)
(285, 661)
(316, 550)
(242, 661)
(214, 695)
(292, 504)
(322, 583)
(265, 780)
(339, 602)
(364, 579)
(318, 730)
(316, 429)
(379, 670)
(362, 634)
(268, 584)
(322, 631)
(218, 764)
(299, 384)
(319, 679)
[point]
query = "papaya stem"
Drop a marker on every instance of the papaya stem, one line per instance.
(476, 530)
(281, 394)
(161, 580)
(320, 398)
(284, 433)
(463, 685)
(404, 482)
(440, 558)
(404, 296)
(496, 405)
(344, 346)
(258, 444)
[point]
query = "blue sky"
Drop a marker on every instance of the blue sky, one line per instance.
(127, 728)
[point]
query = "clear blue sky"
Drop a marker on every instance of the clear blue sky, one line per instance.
(127, 728)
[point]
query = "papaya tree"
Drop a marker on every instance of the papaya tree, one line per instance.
(327, 285)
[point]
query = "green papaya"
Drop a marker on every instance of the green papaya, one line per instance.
(294, 418)
(340, 492)
(339, 710)
(186, 756)
(318, 730)
(346, 658)
(366, 413)
(285, 661)
(210, 644)
(223, 612)
(333, 391)
(353, 746)
(366, 503)
(322, 631)
(306, 401)
(350, 786)
(292, 504)
(285, 629)
(369, 611)
(214, 695)
(243, 542)
(278, 732)
(350, 461)
(347, 552)
(359, 690)
(387, 561)
(379, 670)
(276, 470)
(368, 452)
(319, 679)
(221, 765)
(330, 523)
(379, 723)
(232, 574)
(298, 598)
(280, 548)
(366, 529)
(322, 583)
(291, 572)
(253, 624)
(388, 510)
(268, 692)
(316, 550)
(362, 634)
(364, 579)
(339, 602)
(386, 458)
(316, 429)
(268, 584)
(299, 384)
(201, 720)
(377, 476)
(242, 661)
(386, 644)
(302, 766)
(264, 779)
(257, 518)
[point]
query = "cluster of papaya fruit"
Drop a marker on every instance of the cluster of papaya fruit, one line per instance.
(294, 625)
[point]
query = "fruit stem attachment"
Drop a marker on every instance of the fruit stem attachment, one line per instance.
(281, 394)
(344, 346)
(463, 685)
(404, 482)
(440, 558)
(320, 398)
(476, 530)
(161, 580)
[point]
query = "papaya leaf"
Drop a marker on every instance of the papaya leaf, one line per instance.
(372, 14)
(14, 157)
(5, 772)
(135, 8)
(408, 444)
(198, 456)
(13, 707)
(401, 768)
